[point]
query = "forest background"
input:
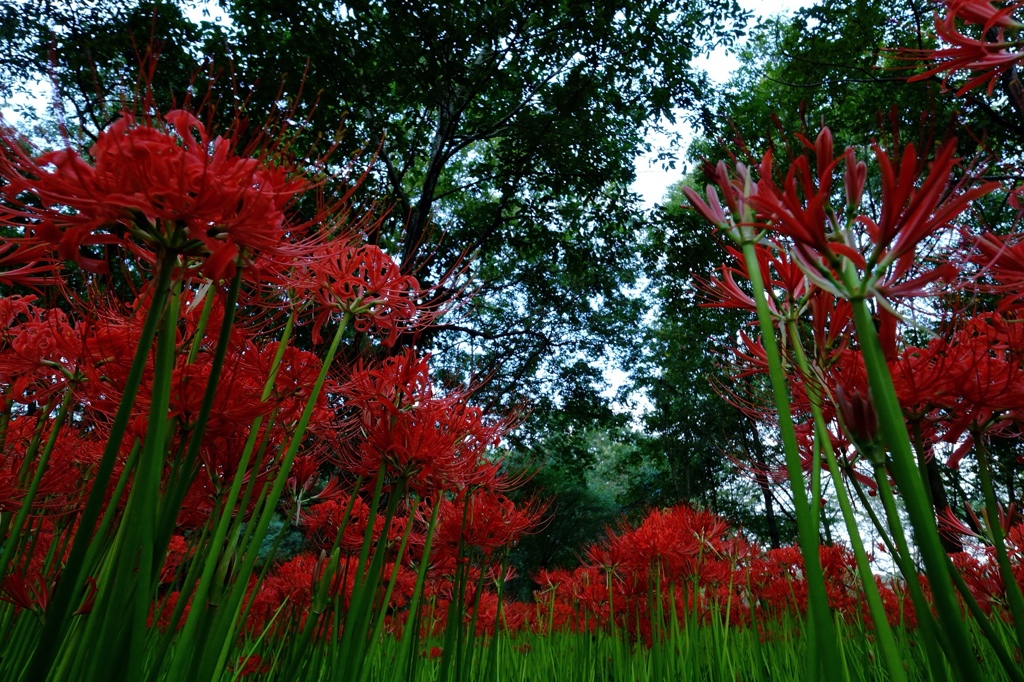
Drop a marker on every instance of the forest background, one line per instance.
(501, 141)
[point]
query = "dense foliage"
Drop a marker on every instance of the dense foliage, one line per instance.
(225, 448)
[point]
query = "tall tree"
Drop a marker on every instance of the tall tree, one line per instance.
(693, 437)
(840, 64)
(503, 131)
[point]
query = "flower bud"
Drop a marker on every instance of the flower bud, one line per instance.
(857, 412)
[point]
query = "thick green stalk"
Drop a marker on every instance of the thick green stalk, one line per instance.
(72, 580)
(125, 594)
(1013, 594)
(406, 652)
(904, 471)
(1010, 667)
(204, 317)
(887, 642)
(33, 488)
(184, 652)
(378, 626)
(368, 579)
(821, 633)
(453, 621)
(144, 499)
(69, 657)
(184, 470)
(42, 418)
(321, 590)
(935, 639)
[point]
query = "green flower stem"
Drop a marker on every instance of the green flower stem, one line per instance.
(204, 317)
(254, 429)
(184, 651)
(922, 461)
(72, 580)
(185, 470)
(880, 528)
(492, 666)
(321, 590)
(821, 633)
(904, 471)
(37, 438)
(368, 579)
(463, 669)
(188, 583)
(1011, 668)
(453, 621)
(407, 654)
(26, 504)
(141, 512)
(69, 657)
(393, 580)
(935, 639)
(1013, 594)
(126, 591)
(887, 642)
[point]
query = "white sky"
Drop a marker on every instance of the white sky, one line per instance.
(652, 181)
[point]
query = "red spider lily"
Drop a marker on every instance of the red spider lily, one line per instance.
(847, 456)
(801, 208)
(724, 292)
(432, 442)
(398, 382)
(982, 579)
(751, 357)
(40, 356)
(11, 493)
(293, 583)
(29, 265)
(433, 447)
(482, 520)
(1002, 258)
(159, 182)
(985, 385)
(234, 402)
(983, 12)
(922, 378)
(177, 552)
(781, 272)
(679, 542)
(738, 191)
(322, 521)
(25, 593)
(1008, 518)
(912, 209)
(70, 466)
(859, 417)
(295, 376)
(988, 56)
(365, 282)
(830, 319)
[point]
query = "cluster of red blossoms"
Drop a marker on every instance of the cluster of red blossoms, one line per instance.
(691, 565)
(159, 192)
(678, 562)
(980, 38)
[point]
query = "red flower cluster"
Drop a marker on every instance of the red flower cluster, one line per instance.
(988, 56)
(245, 413)
(158, 183)
(695, 565)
